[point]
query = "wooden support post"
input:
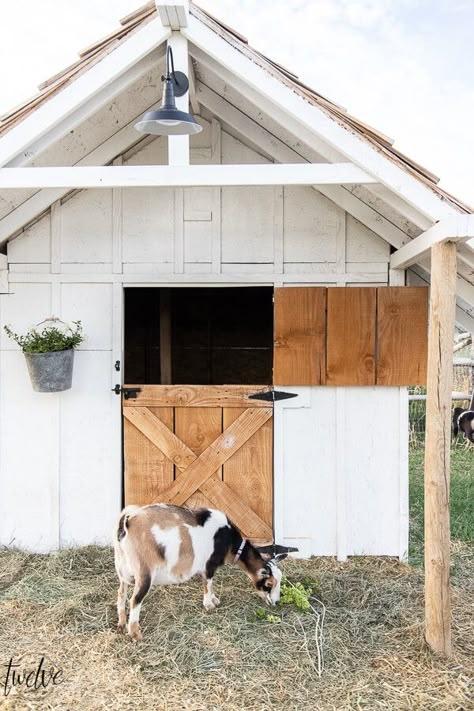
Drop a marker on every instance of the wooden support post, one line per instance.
(438, 447)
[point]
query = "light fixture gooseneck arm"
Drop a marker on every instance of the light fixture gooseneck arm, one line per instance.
(169, 60)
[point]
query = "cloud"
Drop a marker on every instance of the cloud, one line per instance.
(383, 61)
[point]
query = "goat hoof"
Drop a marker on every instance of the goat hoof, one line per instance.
(120, 628)
(216, 601)
(135, 634)
(209, 606)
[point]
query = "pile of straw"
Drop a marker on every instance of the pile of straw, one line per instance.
(62, 607)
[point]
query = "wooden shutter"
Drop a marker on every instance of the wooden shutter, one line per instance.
(351, 336)
(402, 324)
(300, 326)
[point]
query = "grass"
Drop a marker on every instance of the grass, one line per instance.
(371, 653)
(461, 495)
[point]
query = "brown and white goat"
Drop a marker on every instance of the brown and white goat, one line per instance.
(162, 544)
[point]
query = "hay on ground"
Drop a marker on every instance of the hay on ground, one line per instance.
(62, 607)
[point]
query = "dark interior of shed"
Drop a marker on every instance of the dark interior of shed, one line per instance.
(199, 336)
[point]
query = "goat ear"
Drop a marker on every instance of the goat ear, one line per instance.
(280, 556)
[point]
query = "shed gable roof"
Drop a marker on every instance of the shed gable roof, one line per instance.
(95, 52)
(407, 200)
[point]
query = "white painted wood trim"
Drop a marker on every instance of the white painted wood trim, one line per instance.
(91, 106)
(277, 150)
(117, 225)
(4, 284)
(306, 120)
(173, 14)
(365, 214)
(278, 230)
(341, 247)
(56, 237)
(193, 100)
(183, 176)
(178, 146)
(216, 159)
(65, 102)
(404, 516)
(341, 528)
(117, 333)
(453, 229)
(463, 319)
(396, 277)
(4, 287)
(144, 278)
(42, 200)
(178, 231)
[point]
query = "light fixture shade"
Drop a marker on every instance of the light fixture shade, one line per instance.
(168, 122)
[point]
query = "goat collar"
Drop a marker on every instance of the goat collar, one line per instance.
(240, 551)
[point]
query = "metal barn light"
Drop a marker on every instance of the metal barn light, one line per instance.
(168, 120)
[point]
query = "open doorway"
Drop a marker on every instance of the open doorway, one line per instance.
(199, 336)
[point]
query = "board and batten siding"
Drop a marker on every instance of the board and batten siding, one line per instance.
(342, 479)
(60, 454)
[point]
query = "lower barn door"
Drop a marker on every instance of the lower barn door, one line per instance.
(199, 446)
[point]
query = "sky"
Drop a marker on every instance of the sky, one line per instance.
(403, 66)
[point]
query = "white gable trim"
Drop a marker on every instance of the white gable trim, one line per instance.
(453, 229)
(118, 143)
(287, 107)
(65, 102)
(173, 14)
(183, 175)
(87, 109)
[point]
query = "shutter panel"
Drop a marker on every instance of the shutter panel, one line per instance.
(300, 329)
(351, 336)
(402, 324)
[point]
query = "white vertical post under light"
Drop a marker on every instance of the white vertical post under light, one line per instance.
(178, 146)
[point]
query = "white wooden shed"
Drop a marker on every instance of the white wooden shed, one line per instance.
(256, 254)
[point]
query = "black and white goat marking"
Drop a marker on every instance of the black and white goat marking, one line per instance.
(163, 544)
(463, 420)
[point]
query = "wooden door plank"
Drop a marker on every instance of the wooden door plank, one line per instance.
(227, 500)
(216, 455)
(300, 333)
(196, 396)
(402, 341)
(157, 432)
(198, 427)
(249, 472)
(351, 318)
(148, 471)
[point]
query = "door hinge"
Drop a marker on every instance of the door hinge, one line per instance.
(272, 395)
(128, 393)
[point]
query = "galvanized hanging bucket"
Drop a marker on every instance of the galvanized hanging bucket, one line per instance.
(51, 372)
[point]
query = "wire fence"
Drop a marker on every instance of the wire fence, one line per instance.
(463, 382)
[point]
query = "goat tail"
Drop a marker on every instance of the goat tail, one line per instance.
(122, 526)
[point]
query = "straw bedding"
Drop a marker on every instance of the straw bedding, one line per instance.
(62, 607)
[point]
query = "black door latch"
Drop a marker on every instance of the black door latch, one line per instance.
(272, 395)
(128, 393)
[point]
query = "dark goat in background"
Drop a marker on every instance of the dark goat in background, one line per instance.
(464, 420)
